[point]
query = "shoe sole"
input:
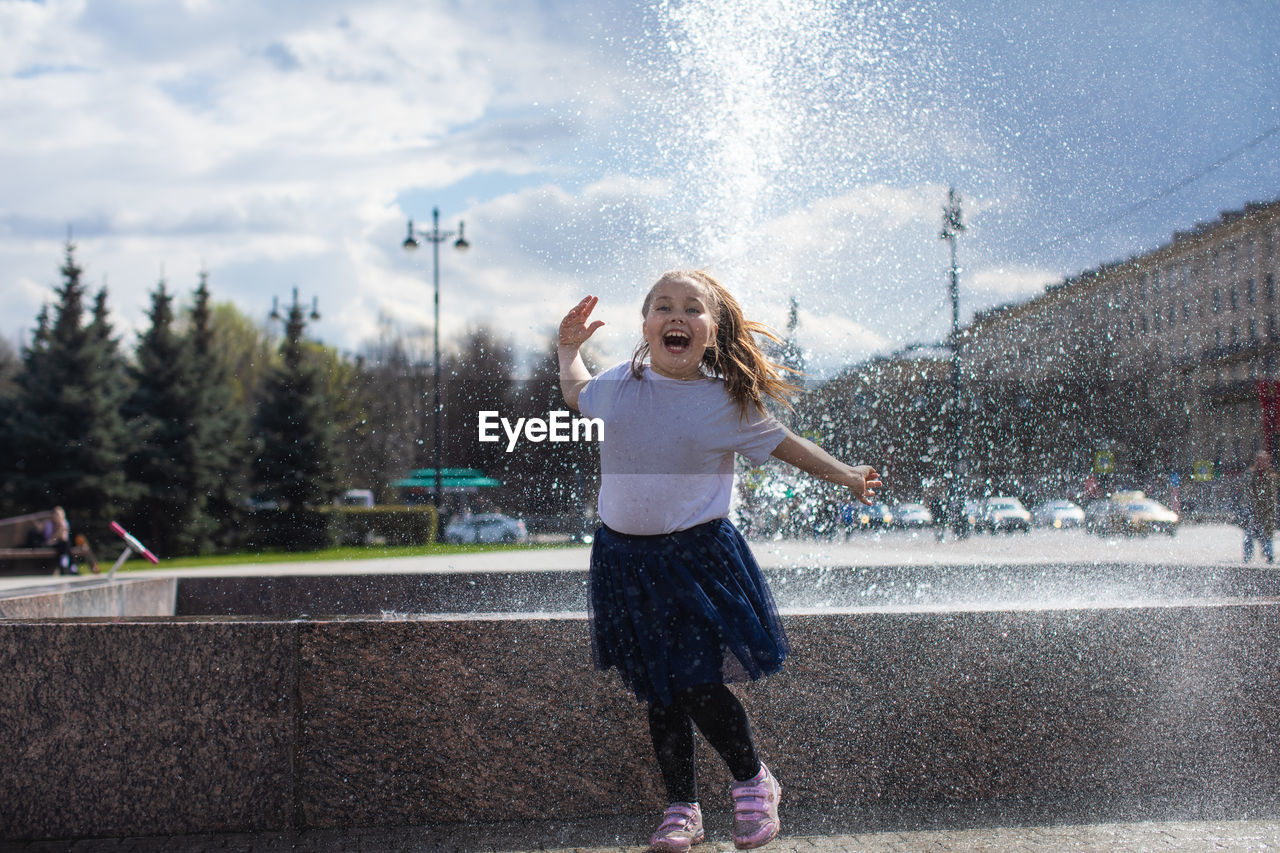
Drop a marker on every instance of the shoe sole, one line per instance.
(662, 847)
(752, 844)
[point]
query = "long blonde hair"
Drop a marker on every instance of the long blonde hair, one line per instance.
(735, 356)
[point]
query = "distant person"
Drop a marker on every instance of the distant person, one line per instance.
(57, 535)
(1259, 504)
(82, 551)
(677, 601)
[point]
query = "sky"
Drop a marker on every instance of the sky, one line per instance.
(796, 149)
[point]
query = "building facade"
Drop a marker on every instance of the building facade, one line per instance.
(1155, 372)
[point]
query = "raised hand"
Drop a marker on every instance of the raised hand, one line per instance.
(866, 482)
(574, 330)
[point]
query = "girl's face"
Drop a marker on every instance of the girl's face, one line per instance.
(678, 327)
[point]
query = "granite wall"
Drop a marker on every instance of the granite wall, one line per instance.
(1014, 586)
(156, 726)
(94, 596)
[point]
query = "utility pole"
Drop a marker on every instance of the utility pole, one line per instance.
(435, 236)
(951, 228)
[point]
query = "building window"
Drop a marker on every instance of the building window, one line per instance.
(1155, 320)
(1186, 311)
(1271, 326)
(1250, 290)
(1253, 332)
(1155, 282)
(1271, 287)
(1235, 298)
(1217, 337)
(1235, 334)
(1142, 323)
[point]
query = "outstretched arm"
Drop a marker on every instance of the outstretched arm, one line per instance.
(862, 480)
(574, 332)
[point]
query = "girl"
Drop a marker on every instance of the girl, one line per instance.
(678, 604)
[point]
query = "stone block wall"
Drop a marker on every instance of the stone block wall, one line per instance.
(155, 726)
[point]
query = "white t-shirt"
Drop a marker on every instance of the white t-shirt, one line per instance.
(666, 459)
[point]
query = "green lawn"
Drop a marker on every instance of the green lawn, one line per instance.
(345, 553)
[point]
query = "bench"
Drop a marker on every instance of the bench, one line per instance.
(18, 558)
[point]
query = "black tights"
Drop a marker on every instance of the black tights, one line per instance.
(723, 722)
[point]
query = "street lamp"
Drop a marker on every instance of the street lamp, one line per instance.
(951, 227)
(294, 320)
(436, 237)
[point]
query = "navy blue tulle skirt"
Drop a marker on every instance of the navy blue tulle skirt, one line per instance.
(681, 609)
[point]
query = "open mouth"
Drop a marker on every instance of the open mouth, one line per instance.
(675, 342)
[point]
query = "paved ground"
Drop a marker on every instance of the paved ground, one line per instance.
(1195, 545)
(1155, 836)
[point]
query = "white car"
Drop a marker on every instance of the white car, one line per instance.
(912, 515)
(1060, 515)
(488, 527)
(1133, 513)
(1003, 513)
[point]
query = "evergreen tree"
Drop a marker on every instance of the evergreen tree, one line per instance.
(170, 514)
(67, 436)
(9, 373)
(220, 427)
(297, 464)
(9, 367)
(111, 439)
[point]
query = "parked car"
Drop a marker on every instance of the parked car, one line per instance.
(874, 517)
(356, 497)
(1133, 513)
(1130, 514)
(912, 516)
(488, 527)
(1059, 514)
(1003, 514)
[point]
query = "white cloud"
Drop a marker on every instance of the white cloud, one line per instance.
(588, 147)
(1012, 282)
(270, 149)
(832, 342)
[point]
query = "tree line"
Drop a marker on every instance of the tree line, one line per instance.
(187, 433)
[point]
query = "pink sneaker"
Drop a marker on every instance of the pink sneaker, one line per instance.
(755, 810)
(681, 828)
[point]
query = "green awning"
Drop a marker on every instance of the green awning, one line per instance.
(451, 480)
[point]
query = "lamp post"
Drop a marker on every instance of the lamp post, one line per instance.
(294, 323)
(951, 227)
(436, 237)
